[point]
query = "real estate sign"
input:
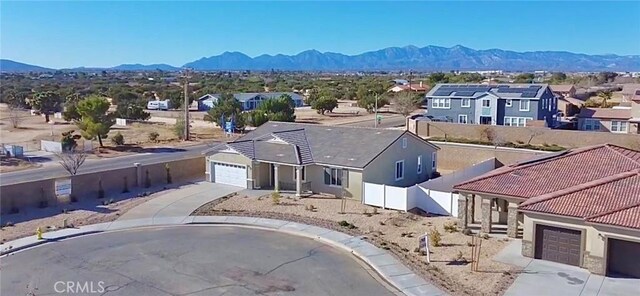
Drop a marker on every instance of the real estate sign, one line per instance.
(63, 187)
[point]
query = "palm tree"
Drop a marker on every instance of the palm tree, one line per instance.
(605, 95)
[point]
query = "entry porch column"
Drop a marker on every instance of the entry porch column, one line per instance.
(512, 220)
(276, 180)
(486, 215)
(298, 181)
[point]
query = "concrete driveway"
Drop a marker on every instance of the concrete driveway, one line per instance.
(180, 201)
(541, 277)
(188, 260)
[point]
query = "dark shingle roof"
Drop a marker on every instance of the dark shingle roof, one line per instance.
(505, 91)
(321, 144)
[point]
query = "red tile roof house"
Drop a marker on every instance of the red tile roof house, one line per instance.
(579, 207)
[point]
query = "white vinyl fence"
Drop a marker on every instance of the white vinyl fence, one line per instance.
(434, 196)
(56, 147)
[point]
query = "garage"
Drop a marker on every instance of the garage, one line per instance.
(229, 174)
(558, 244)
(623, 258)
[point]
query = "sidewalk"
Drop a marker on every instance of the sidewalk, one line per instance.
(180, 202)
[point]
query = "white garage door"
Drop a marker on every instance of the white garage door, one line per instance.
(230, 174)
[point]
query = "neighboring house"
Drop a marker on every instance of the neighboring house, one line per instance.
(630, 92)
(400, 81)
(504, 104)
(321, 159)
(419, 87)
(579, 207)
(564, 90)
(249, 101)
(206, 102)
(569, 106)
(607, 120)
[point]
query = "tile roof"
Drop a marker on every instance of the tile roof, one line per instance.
(296, 143)
(555, 172)
(605, 113)
(561, 87)
(600, 184)
(573, 101)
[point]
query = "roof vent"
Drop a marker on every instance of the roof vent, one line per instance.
(352, 159)
(328, 129)
(516, 173)
(377, 133)
(327, 156)
(280, 154)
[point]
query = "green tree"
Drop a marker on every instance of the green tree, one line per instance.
(279, 109)
(438, 77)
(367, 99)
(70, 112)
(558, 77)
(406, 102)
(256, 118)
(226, 106)
(175, 97)
(313, 95)
(46, 103)
(132, 111)
(606, 96)
(125, 97)
(324, 104)
(524, 78)
(96, 121)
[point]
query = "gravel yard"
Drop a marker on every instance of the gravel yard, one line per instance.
(393, 230)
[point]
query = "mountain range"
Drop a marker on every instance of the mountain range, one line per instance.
(429, 58)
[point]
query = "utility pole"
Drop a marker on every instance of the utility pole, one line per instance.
(375, 123)
(186, 105)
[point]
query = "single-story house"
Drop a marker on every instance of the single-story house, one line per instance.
(321, 159)
(605, 120)
(564, 90)
(579, 207)
(249, 101)
(630, 91)
(415, 87)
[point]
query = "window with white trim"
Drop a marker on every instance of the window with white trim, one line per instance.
(462, 118)
(618, 126)
(524, 105)
(508, 103)
(486, 103)
(334, 176)
(516, 121)
(399, 170)
(441, 103)
(304, 173)
(465, 103)
(591, 124)
(434, 163)
(419, 164)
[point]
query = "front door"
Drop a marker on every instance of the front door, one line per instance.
(485, 119)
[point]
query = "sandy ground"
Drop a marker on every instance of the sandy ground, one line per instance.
(79, 213)
(396, 227)
(8, 164)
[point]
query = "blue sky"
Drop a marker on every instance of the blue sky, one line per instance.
(70, 34)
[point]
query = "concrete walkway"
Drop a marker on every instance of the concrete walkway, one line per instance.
(543, 277)
(180, 202)
(390, 269)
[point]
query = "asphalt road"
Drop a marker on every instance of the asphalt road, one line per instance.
(150, 156)
(187, 260)
(388, 121)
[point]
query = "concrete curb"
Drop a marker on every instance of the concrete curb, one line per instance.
(390, 269)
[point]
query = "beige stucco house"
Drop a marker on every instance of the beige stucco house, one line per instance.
(321, 159)
(579, 207)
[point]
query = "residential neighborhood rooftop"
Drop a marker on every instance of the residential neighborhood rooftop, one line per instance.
(296, 143)
(561, 87)
(531, 91)
(608, 113)
(600, 184)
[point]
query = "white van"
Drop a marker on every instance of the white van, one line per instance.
(159, 105)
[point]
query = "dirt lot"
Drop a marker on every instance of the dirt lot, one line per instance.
(86, 212)
(394, 229)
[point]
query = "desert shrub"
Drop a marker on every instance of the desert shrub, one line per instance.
(153, 136)
(450, 227)
(467, 231)
(275, 197)
(435, 237)
(343, 223)
(118, 139)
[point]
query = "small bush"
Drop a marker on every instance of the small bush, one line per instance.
(486, 236)
(435, 237)
(275, 198)
(118, 139)
(450, 227)
(153, 136)
(467, 231)
(343, 223)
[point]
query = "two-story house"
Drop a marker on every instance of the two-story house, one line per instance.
(620, 119)
(505, 104)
